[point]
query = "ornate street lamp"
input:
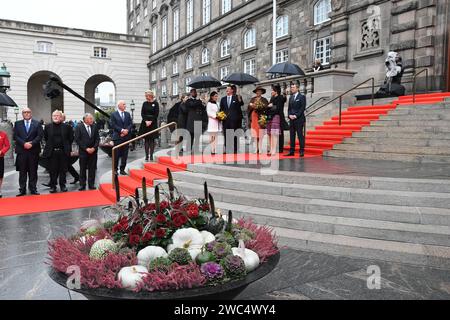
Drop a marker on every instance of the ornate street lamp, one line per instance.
(133, 107)
(5, 79)
(16, 112)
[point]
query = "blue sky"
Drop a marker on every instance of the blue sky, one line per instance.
(101, 15)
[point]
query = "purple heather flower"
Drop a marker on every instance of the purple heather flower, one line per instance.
(212, 271)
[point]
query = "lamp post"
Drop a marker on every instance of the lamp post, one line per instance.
(133, 107)
(5, 79)
(16, 112)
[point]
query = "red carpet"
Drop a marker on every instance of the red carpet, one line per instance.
(323, 138)
(52, 202)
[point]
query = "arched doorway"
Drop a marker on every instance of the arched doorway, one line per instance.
(101, 91)
(42, 106)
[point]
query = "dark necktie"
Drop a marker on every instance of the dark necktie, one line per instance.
(229, 102)
(89, 131)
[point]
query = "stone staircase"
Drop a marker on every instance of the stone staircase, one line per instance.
(401, 220)
(411, 133)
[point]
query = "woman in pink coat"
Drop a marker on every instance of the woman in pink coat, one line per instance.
(4, 147)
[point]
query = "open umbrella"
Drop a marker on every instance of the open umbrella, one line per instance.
(286, 68)
(6, 100)
(204, 82)
(240, 79)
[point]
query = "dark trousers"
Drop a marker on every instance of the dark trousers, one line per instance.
(228, 147)
(297, 130)
(73, 172)
(122, 155)
(195, 142)
(88, 164)
(59, 162)
(28, 167)
(281, 143)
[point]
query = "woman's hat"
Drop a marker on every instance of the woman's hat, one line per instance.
(260, 89)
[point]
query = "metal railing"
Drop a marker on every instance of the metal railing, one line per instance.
(309, 108)
(415, 83)
(345, 93)
(127, 143)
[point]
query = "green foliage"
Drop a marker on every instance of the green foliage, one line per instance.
(180, 256)
(234, 267)
(160, 264)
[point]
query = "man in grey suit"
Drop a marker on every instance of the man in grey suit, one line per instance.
(296, 113)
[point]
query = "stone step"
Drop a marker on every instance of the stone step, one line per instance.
(434, 106)
(400, 142)
(316, 179)
(412, 124)
(279, 216)
(364, 228)
(388, 148)
(416, 254)
(416, 129)
(415, 112)
(401, 135)
(409, 117)
(371, 196)
(418, 158)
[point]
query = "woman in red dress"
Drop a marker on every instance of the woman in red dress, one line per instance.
(4, 147)
(254, 114)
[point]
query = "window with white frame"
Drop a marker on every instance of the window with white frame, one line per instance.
(44, 47)
(206, 11)
(189, 16)
(131, 25)
(154, 38)
(322, 50)
(163, 72)
(175, 67)
(205, 56)
(164, 32)
(250, 66)
(224, 72)
(130, 5)
(225, 48)
(175, 88)
(189, 62)
(176, 24)
(164, 90)
(322, 10)
(250, 38)
(145, 11)
(153, 77)
(100, 52)
(138, 19)
(188, 81)
(226, 6)
(153, 4)
(282, 26)
(282, 56)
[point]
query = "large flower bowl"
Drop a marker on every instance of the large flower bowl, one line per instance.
(227, 291)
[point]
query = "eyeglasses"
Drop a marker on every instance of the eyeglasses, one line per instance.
(25, 112)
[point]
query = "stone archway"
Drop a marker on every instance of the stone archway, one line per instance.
(42, 106)
(89, 89)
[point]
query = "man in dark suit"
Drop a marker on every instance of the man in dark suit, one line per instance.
(122, 125)
(232, 106)
(28, 135)
(88, 139)
(296, 113)
(58, 138)
(195, 109)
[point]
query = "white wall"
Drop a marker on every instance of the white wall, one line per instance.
(73, 62)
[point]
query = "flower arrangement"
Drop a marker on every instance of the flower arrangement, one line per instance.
(260, 106)
(262, 121)
(172, 243)
(221, 116)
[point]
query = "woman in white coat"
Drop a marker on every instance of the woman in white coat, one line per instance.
(214, 125)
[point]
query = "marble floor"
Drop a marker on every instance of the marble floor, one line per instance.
(299, 275)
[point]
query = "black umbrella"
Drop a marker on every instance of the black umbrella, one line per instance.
(286, 68)
(6, 100)
(204, 82)
(240, 79)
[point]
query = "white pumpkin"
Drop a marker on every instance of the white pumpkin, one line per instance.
(208, 237)
(149, 254)
(190, 239)
(131, 277)
(251, 258)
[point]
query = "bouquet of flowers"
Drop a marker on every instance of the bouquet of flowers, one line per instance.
(169, 244)
(221, 116)
(260, 107)
(262, 121)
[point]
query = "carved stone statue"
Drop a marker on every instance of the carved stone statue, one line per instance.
(394, 73)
